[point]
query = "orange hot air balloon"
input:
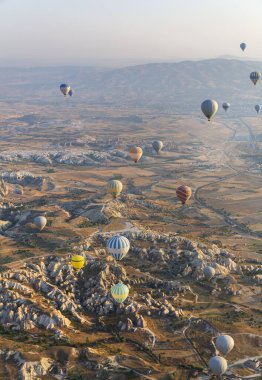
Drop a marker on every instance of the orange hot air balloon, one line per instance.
(183, 193)
(136, 153)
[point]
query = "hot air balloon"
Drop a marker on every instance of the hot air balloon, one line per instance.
(218, 365)
(78, 262)
(257, 108)
(254, 76)
(243, 46)
(209, 272)
(157, 145)
(226, 106)
(118, 246)
(40, 222)
(209, 108)
(70, 93)
(64, 88)
(119, 292)
(224, 343)
(136, 153)
(114, 187)
(183, 193)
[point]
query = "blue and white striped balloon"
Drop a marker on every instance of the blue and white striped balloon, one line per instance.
(118, 246)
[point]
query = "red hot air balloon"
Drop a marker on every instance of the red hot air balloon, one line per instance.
(183, 193)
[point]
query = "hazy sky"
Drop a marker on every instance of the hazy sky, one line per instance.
(40, 32)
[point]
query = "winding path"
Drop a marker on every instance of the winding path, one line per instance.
(234, 225)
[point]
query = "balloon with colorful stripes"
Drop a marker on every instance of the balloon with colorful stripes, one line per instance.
(118, 247)
(119, 292)
(64, 88)
(183, 193)
(254, 76)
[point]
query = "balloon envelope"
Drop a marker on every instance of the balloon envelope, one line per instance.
(243, 46)
(218, 365)
(64, 88)
(254, 76)
(118, 247)
(183, 193)
(40, 222)
(119, 292)
(70, 92)
(157, 145)
(226, 106)
(136, 153)
(78, 262)
(257, 108)
(114, 187)
(209, 108)
(224, 343)
(209, 272)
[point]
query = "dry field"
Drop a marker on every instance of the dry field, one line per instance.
(221, 161)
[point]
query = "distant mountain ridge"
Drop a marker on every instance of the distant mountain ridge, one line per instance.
(154, 84)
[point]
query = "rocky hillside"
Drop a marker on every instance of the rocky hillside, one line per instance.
(47, 300)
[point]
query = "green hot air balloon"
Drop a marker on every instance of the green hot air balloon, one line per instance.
(209, 108)
(157, 145)
(119, 292)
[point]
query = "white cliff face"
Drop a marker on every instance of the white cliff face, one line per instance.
(68, 156)
(4, 225)
(33, 370)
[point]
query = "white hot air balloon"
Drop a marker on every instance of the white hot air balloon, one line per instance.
(40, 222)
(209, 108)
(218, 365)
(157, 145)
(226, 106)
(209, 272)
(224, 343)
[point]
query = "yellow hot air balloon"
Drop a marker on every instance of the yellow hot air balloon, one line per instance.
(78, 262)
(136, 153)
(119, 292)
(114, 187)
